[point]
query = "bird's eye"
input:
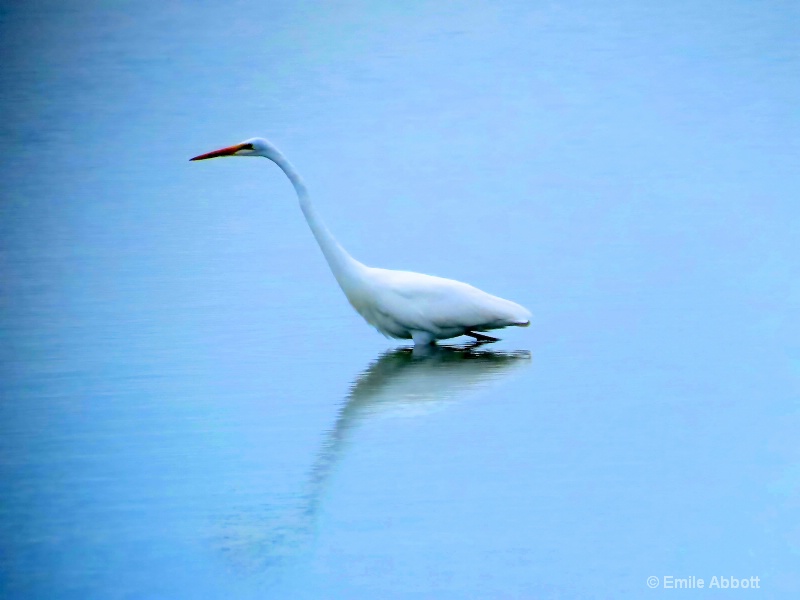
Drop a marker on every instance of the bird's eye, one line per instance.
(247, 147)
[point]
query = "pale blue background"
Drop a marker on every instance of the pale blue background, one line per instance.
(190, 409)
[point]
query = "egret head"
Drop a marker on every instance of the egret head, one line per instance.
(251, 147)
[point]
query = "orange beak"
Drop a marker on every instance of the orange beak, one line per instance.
(229, 151)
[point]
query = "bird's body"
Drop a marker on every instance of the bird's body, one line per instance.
(399, 304)
(406, 305)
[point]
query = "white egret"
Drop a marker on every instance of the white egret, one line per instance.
(399, 304)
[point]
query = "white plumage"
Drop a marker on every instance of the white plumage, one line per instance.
(399, 304)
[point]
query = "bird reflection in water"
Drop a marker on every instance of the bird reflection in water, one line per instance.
(402, 382)
(409, 383)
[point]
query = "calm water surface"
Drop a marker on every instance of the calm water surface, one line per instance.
(190, 409)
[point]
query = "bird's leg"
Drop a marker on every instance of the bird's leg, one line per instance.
(422, 338)
(482, 337)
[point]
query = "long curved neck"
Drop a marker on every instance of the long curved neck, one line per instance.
(345, 268)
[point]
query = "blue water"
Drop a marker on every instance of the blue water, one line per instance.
(190, 408)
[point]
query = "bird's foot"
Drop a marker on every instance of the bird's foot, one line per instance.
(482, 338)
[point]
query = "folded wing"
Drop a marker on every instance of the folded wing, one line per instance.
(414, 301)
